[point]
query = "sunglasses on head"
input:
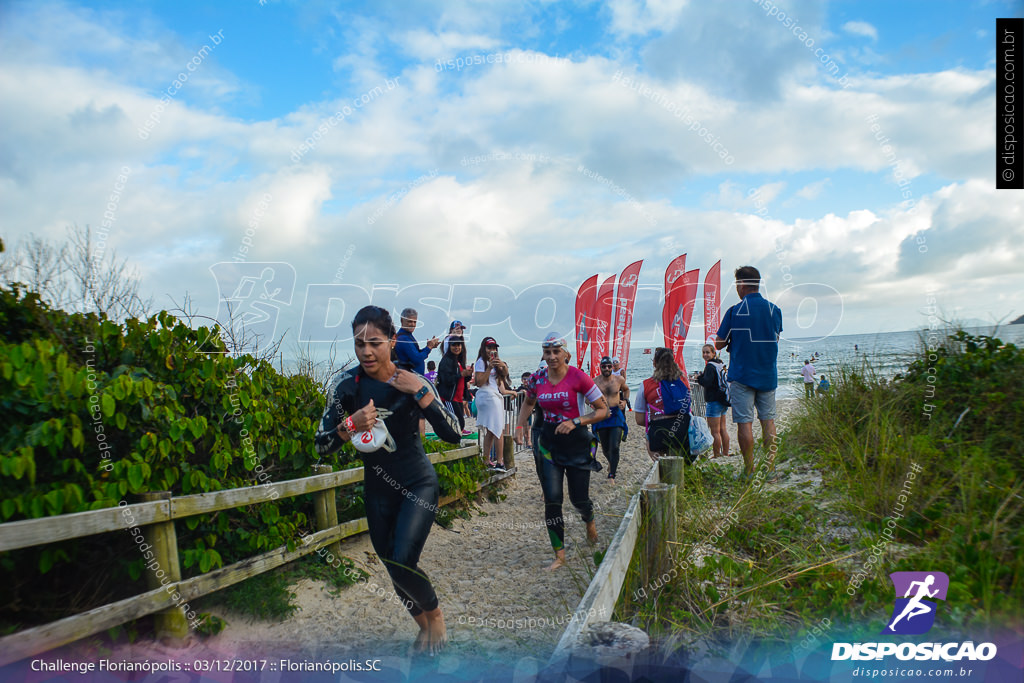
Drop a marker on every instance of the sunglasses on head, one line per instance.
(551, 345)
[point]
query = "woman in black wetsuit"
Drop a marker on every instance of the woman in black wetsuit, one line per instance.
(401, 490)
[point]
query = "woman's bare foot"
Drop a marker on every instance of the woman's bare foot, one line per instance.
(420, 644)
(437, 632)
(559, 560)
(592, 531)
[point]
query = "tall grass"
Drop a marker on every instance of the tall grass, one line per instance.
(768, 561)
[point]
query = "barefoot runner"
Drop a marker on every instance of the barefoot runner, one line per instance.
(611, 432)
(565, 442)
(399, 516)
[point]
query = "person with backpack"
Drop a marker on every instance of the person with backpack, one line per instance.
(663, 408)
(715, 381)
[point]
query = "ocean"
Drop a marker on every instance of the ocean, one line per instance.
(887, 353)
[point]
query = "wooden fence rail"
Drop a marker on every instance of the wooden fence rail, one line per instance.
(162, 513)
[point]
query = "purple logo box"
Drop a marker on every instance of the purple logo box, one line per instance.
(914, 612)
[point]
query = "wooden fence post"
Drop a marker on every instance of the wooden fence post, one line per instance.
(658, 529)
(170, 623)
(672, 470)
(326, 509)
(508, 446)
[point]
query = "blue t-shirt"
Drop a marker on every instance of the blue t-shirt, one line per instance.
(753, 327)
(409, 352)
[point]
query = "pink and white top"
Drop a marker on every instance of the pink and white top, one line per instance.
(565, 400)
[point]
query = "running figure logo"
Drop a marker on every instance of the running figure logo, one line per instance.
(913, 614)
(251, 296)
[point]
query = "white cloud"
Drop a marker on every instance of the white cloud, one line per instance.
(639, 17)
(813, 190)
(427, 46)
(199, 177)
(861, 28)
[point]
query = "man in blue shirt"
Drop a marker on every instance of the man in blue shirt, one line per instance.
(750, 332)
(409, 353)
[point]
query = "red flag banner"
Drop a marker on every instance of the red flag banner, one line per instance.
(673, 279)
(625, 298)
(712, 300)
(600, 343)
(586, 298)
(680, 298)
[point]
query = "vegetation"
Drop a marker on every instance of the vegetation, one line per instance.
(97, 412)
(776, 560)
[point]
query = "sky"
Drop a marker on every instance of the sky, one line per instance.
(480, 160)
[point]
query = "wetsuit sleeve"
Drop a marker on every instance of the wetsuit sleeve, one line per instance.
(445, 425)
(326, 439)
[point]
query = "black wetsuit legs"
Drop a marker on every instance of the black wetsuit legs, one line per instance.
(579, 495)
(399, 525)
(611, 439)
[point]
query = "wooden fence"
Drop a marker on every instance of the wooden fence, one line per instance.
(156, 515)
(652, 502)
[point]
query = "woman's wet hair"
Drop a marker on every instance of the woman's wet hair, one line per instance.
(376, 316)
(665, 368)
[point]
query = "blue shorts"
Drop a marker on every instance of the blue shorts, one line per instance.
(744, 399)
(715, 409)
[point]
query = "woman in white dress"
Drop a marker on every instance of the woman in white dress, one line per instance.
(491, 376)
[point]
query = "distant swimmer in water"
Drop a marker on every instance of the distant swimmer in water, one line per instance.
(856, 348)
(914, 607)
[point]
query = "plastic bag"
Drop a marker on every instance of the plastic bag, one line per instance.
(700, 435)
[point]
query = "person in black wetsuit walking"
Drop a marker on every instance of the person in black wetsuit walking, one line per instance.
(401, 489)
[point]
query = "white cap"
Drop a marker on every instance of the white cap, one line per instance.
(373, 440)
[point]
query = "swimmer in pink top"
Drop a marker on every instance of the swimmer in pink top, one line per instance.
(566, 445)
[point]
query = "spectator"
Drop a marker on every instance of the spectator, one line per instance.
(431, 373)
(750, 332)
(456, 329)
(452, 376)
(823, 386)
(808, 372)
(410, 355)
(715, 399)
(490, 376)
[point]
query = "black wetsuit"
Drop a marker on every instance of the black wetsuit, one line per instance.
(401, 490)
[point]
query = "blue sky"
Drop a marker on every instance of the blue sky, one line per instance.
(473, 174)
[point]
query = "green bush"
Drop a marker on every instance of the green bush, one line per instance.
(96, 413)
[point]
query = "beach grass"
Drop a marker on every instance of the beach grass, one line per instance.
(917, 473)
